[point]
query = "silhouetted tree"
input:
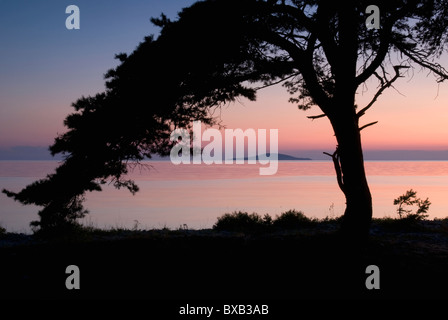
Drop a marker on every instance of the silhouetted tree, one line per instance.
(409, 199)
(218, 50)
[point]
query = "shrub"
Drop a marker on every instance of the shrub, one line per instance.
(409, 199)
(292, 219)
(242, 221)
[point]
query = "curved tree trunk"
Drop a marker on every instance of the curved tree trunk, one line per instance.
(348, 158)
(349, 164)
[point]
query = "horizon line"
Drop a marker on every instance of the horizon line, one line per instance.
(21, 152)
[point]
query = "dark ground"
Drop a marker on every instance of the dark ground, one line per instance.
(208, 265)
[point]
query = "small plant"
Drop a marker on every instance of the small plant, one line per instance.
(409, 199)
(183, 227)
(2, 231)
(331, 209)
(267, 220)
(136, 224)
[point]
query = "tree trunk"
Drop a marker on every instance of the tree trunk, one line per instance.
(343, 117)
(352, 178)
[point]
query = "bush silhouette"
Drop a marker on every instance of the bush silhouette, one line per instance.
(409, 199)
(239, 221)
(242, 221)
(292, 219)
(2, 231)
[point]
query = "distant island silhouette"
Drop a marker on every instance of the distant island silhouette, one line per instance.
(41, 153)
(280, 156)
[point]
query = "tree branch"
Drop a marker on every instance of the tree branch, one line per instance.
(298, 14)
(379, 58)
(317, 117)
(276, 82)
(384, 86)
(304, 63)
(385, 42)
(434, 67)
(337, 166)
(368, 125)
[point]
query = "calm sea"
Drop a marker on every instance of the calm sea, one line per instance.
(195, 195)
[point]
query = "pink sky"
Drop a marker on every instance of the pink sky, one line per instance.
(414, 120)
(417, 119)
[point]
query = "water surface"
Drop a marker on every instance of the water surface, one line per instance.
(195, 195)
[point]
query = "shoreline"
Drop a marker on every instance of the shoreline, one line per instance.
(380, 227)
(209, 264)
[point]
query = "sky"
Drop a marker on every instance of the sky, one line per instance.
(44, 68)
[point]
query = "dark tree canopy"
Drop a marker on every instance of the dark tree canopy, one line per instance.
(219, 50)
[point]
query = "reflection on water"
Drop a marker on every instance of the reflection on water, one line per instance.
(196, 195)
